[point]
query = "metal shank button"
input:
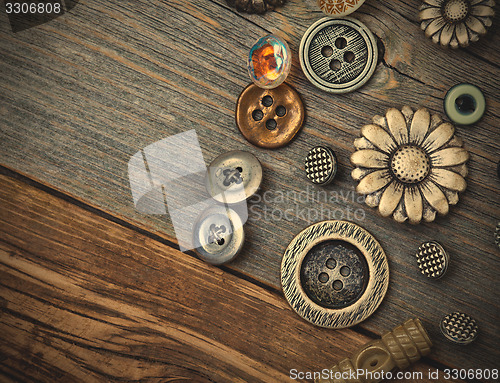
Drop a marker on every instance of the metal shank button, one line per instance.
(432, 259)
(321, 165)
(459, 328)
(233, 177)
(218, 235)
(269, 118)
(338, 55)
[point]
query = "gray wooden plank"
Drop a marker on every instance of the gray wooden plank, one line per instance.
(81, 94)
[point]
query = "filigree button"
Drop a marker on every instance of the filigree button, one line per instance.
(410, 165)
(339, 8)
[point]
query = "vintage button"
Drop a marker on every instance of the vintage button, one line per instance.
(339, 8)
(218, 235)
(432, 259)
(459, 328)
(338, 55)
(269, 61)
(410, 164)
(321, 165)
(233, 177)
(456, 23)
(464, 104)
(334, 274)
(269, 118)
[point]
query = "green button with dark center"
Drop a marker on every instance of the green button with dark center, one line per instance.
(464, 104)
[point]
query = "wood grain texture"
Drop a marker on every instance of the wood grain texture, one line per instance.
(80, 95)
(83, 299)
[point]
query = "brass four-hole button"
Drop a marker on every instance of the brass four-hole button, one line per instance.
(269, 118)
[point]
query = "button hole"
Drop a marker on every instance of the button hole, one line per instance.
(349, 57)
(280, 111)
(271, 124)
(341, 43)
(257, 115)
(335, 65)
(267, 101)
(327, 51)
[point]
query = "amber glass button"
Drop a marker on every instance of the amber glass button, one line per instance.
(269, 118)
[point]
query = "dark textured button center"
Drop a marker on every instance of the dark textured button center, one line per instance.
(334, 274)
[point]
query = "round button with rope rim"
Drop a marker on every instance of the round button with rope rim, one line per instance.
(334, 274)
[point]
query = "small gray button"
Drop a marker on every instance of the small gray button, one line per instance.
(321, 165)
(432, 259)
(218, 235)
(338, 55)
(234, 176)
(459, 328)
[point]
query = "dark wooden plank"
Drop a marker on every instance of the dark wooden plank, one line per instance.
(85, 299)
(83, 93)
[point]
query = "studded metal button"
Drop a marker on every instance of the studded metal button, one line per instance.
(269, 118)
(234, 176)
(432, 259)
(464, 104)
(321, 165)
(338, 8)
(218, 235)
(338, 55)
(334, 274)
(459, 328)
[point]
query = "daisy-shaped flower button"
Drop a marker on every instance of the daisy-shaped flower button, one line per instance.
(410, 165)
(456, 23)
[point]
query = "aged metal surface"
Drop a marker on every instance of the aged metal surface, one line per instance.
(321, 165)
(410, 165)
(432, 259)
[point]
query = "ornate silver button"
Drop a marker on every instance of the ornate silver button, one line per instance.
(334, 274)
(459, 328)
(321, 165)
(233, 177)
(338, 55)
(218, 235)
(432, 259)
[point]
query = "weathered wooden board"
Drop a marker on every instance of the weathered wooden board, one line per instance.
(83, 299)
(81, 94)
